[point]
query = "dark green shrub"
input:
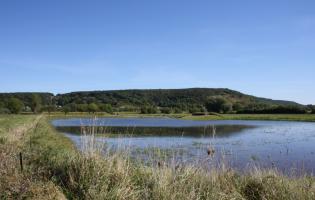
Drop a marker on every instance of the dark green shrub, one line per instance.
(218, 104)
(177, 110)
(166, 110)
(148, 110)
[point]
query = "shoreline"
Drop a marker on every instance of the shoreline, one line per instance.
(267, 117)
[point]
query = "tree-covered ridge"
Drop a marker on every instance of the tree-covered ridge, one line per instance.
(193, 100)
(161, 97)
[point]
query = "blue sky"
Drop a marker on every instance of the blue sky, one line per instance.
(264, 48)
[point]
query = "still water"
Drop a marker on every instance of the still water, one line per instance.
(240, 144)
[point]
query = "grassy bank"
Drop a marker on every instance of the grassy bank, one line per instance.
(276, 117)
(53, 169)
(19, 178)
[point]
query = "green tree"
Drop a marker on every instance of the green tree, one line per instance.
(194, 109)
(82, 107)
(66, 109)
(92, 108)
(311, 108)
(15, 105)
(238, 107)
(218, 104)
(144, 110)
(49, 108)
(3, 109)
(149, 110)
(106, 108)
(73, 107)
(36, 103)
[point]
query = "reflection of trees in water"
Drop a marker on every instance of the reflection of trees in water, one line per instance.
(206, 131)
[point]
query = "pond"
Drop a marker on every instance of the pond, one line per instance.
(239, 144)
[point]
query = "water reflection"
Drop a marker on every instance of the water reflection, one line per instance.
(119, 131)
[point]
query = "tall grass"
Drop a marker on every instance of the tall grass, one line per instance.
(15, 183)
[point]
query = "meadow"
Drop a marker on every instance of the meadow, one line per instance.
(214, 116)
(37, 162)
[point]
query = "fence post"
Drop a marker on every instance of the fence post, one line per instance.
(21, 161)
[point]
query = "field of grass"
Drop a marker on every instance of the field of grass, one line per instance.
(118, 114)
(276, 117)
(54, 169)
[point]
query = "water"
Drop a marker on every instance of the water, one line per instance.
(286, 146)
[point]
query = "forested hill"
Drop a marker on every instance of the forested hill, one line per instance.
(162, 97)
(153, 100)
(180, 100)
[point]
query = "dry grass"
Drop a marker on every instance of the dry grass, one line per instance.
(15, 183)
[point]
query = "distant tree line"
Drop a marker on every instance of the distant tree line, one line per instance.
(91, 108)
(223, 105)
(195, 101)
(24, 102)
(311, 108)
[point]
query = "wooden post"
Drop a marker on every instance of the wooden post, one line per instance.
(21, 161)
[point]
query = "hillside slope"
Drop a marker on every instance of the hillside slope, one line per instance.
(163, 97)
(177, 100)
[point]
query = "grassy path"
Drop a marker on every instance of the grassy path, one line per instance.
(15, 183)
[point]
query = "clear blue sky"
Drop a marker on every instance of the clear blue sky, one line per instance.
(264, 48)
